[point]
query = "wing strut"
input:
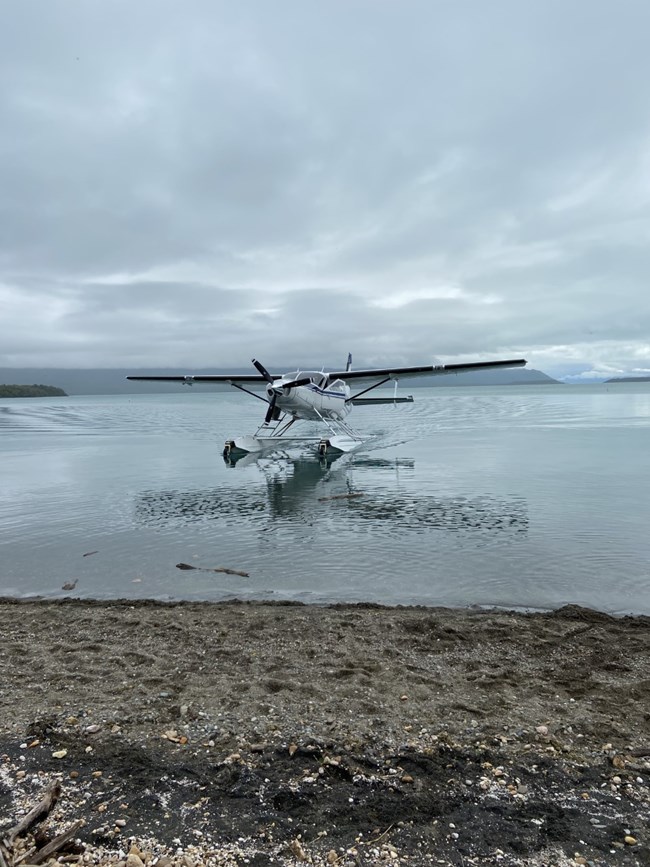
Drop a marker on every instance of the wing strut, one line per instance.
(370, 388)
(248, 391)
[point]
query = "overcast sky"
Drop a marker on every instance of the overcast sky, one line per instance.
(197, 183)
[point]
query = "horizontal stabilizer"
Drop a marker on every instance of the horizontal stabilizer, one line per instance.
(366, 401)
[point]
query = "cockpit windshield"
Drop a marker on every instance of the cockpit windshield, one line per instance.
(317, 376)
(319, 379)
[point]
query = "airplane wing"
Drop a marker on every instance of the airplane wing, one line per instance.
(376, 374)
(427, 370)
(222, 377)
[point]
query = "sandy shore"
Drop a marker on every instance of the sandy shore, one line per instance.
(277, 734)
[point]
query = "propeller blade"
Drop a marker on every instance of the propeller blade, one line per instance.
(271, 410)
(297, 382)
(261, 369)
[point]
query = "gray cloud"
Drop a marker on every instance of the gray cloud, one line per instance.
(196, 184)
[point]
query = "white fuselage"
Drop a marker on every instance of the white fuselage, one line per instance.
(319, 399)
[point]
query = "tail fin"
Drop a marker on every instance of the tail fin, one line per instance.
(348, 366)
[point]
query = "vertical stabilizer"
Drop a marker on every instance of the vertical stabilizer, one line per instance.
(348, 366)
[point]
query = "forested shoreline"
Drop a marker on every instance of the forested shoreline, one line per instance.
(31, 391)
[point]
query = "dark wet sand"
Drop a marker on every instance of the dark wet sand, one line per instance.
(270, 733)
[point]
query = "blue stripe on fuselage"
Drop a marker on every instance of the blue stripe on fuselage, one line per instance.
(313, 387)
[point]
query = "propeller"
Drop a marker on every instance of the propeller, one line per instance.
(272, 412)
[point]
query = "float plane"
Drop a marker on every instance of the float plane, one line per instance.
(318, 396)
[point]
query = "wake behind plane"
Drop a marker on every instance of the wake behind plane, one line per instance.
(318, 396)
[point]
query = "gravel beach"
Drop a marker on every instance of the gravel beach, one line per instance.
(258, 733)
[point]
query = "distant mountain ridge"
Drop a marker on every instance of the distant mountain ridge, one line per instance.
(629, 379)
(113, 381)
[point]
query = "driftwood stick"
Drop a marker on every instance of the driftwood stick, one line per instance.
(56, 844)
(3, 852)
(226, 569)
(37, 814)
(24, 859)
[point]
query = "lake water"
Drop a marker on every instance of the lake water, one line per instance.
(523, 497)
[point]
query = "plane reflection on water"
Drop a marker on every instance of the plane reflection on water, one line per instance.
(314, 490)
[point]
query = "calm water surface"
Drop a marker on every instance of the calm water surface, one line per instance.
(520, 497)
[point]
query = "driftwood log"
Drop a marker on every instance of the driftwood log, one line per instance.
(38, 853)
(225, 569)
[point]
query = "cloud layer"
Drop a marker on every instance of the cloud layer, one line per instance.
(194, 184)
